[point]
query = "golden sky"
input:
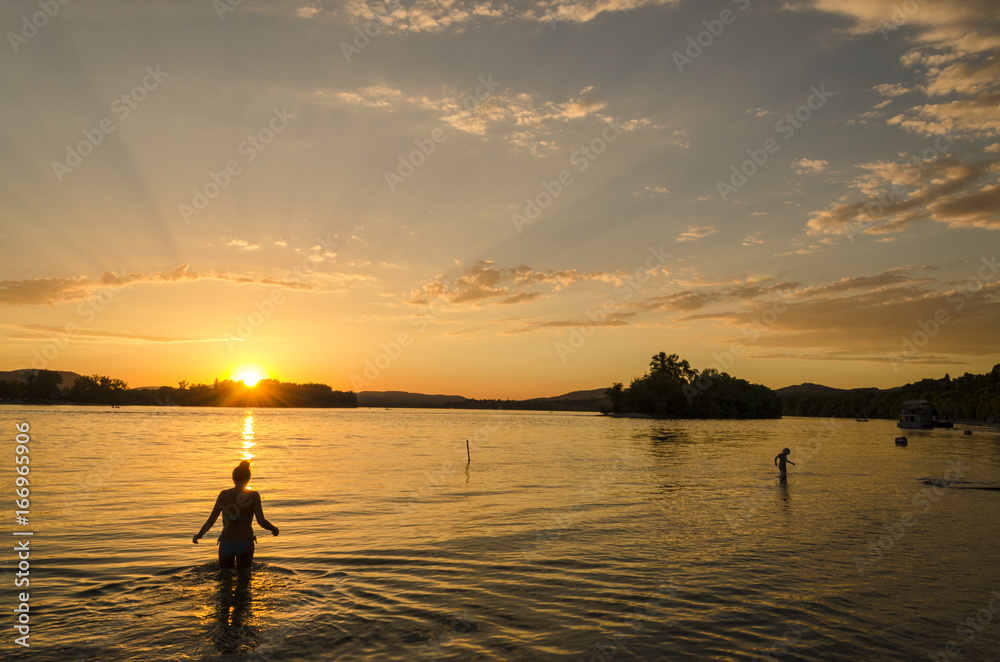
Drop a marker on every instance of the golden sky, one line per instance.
(509, 199)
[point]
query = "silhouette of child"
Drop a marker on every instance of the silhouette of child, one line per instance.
(780, 460)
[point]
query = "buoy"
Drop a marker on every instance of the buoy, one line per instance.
(901, 441)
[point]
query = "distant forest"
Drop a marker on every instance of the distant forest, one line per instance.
(672, 388)
(966, 397)
(45, 386)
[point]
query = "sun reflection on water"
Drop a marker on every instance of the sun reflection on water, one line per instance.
(248, 436)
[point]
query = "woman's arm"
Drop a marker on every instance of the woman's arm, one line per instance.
(258, 511)
(211, 519)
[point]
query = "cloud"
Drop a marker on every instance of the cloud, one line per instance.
(652, 190)
(895, 277)
(520, 119)
(243, 244)
(38, 331)
(51, 291)
(896, 315)
(483, 282)
(892, 89)
(957, 53)
(758, 112)
(458, 15)
(690, 300)
(898, 193)
(803, 166)
(695, 233)
(752, 240)
(604, 320)
(881, 322)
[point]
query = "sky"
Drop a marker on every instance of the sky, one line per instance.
(500, 199)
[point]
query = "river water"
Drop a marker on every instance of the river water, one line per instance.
(566, 537)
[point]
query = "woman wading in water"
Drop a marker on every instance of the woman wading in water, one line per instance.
(238, 507)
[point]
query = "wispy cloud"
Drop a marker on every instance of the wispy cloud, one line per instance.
(458, 15)
(695, 233)
(485, 283)
(50, 291)
(517, 118)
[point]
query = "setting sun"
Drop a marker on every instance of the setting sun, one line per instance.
(249, 374)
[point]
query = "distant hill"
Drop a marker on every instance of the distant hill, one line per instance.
(405, 399)
(807, 388)
(596, 393)
(587, 400)
(15, 375)
(966, 397)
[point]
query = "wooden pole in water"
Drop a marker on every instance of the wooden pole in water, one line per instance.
(467, 450)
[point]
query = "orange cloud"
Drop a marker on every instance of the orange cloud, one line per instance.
(50, 291)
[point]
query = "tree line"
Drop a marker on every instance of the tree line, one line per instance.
(672, 388)
(46, 386)
(966, 397)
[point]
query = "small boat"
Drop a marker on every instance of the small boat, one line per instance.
(861, 420)
(968, 432)
(901, 441)
(919, 414)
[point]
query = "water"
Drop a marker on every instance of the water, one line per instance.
(567, 537)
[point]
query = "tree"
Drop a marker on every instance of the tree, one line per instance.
(673, 388)
(672, 366)
(41, 385)
(98, 389)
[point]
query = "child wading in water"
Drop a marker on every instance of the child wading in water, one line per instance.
(780, 460)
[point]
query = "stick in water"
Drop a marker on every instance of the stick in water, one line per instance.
(467, 450)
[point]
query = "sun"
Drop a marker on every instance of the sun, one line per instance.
(248, 374)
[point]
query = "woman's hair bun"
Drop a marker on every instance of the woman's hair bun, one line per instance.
(241, 474)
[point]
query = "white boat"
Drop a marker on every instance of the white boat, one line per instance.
(916, 414)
